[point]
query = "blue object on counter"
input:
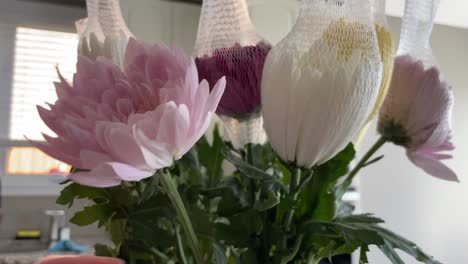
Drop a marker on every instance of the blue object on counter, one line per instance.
(68, 245)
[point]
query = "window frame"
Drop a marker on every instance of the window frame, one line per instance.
(14, 14)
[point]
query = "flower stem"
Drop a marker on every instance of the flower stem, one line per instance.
(312, 259)
(361, 164)
(295, 181)
(180, 246)
(294, 250)
(184, 220)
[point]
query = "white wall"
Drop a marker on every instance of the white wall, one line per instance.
(429, 211)
(158, 21)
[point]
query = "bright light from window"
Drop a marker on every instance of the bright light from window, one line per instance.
(37, 54)
(31, 161)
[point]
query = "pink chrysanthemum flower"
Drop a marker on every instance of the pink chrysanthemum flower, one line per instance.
(416, 114)
(126, 125)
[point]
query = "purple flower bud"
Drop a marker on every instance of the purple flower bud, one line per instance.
(242, 67)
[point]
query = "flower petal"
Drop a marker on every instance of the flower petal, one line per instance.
(432, 166)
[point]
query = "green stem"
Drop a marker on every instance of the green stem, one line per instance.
(249, 153)
(361, 164)
(161, 255)
(294, 251)
(295, 180)
(180, 246)
(184, 220)
(312, 259)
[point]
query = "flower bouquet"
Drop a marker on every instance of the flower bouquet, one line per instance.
(132, 125)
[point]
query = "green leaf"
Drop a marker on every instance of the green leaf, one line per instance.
(260, 156)
(363, 255)
(268, 196)
(283, 207)
(150, 233)
(247, 169)
(393, 240)
(211, 157)
(239, 228)
(234, 198)
(317, 199)
(200, 221)
(92, 214)
(117, 230)
(355, 231)
(219, 253)
(248, 257)
(359, 218)
(76, 191)
(148, 188)
(347, 234)
(391, 254)
(103, 251)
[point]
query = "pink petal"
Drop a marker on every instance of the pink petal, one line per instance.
(91, 159)
(56, 151)
(157, 155)
(216, 94)
(129, 173)
(121, 145)
(102, 176)
(175, 126)
(432, 166)
(50, 119)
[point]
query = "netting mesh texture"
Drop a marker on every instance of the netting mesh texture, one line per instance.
(106, 33)
(416, 29)
(228, 45)
(330, 58)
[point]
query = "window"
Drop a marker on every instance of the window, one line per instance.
(37, 54)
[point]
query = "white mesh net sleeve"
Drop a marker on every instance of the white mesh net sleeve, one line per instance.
(387, 53)
(228, 45)
(91, 42)
(105, 32)
(115, 29)
(321, 82)
(418, 21)
(224, 23)
(80, 25)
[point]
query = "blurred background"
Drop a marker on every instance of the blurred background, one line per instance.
(37, 35)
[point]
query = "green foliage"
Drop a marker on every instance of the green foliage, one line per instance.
(92, 214)
(211, 157)
(359, 231)
(317, 200)
(233, 198)
(75, 191)
(363, 254)
(250, 216)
